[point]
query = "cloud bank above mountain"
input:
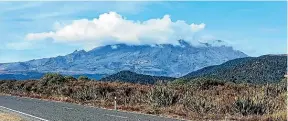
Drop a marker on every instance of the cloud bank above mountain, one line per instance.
(112, 28)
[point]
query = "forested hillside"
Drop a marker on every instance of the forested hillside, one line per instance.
(263, 69)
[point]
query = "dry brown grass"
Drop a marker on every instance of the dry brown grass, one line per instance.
(9, 117)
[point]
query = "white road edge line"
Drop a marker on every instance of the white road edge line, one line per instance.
(23, 113)
(116, 116)
(68, 108)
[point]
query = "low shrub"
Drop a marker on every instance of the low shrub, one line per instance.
(83, 78)
(178, 82)
(198, 103)
(85, 94)
(161, 96)
(70, 78)
(205, 84)
(248, 106)
(52, 79)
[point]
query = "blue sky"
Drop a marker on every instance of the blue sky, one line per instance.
(255, 28)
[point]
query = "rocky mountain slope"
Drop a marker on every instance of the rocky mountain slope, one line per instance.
(157, 60)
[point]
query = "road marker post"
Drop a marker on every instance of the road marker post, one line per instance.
(115, 103)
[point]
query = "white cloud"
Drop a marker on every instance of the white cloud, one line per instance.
(112, 28)
(196, 27)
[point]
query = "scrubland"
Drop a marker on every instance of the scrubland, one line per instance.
(198, 99)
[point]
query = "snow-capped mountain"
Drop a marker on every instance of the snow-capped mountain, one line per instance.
(158, 60)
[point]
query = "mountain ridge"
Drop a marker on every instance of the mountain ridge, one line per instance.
(132, 77)
(158, 60)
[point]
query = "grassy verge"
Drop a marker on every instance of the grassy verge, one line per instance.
(9, 117)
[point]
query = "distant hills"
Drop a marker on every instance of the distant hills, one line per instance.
(258, 70)
(158, 60)
(20, 75)
(37, 75)
(263, 69)
(132, 77)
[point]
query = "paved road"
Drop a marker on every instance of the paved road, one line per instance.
(60, 111)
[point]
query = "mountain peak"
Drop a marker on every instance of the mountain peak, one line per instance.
(78, 52)
(215, 43)
(219, 40)
(183, 43)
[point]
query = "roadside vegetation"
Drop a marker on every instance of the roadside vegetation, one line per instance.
(198, 99)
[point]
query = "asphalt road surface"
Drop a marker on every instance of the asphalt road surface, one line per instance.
(59, 111)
